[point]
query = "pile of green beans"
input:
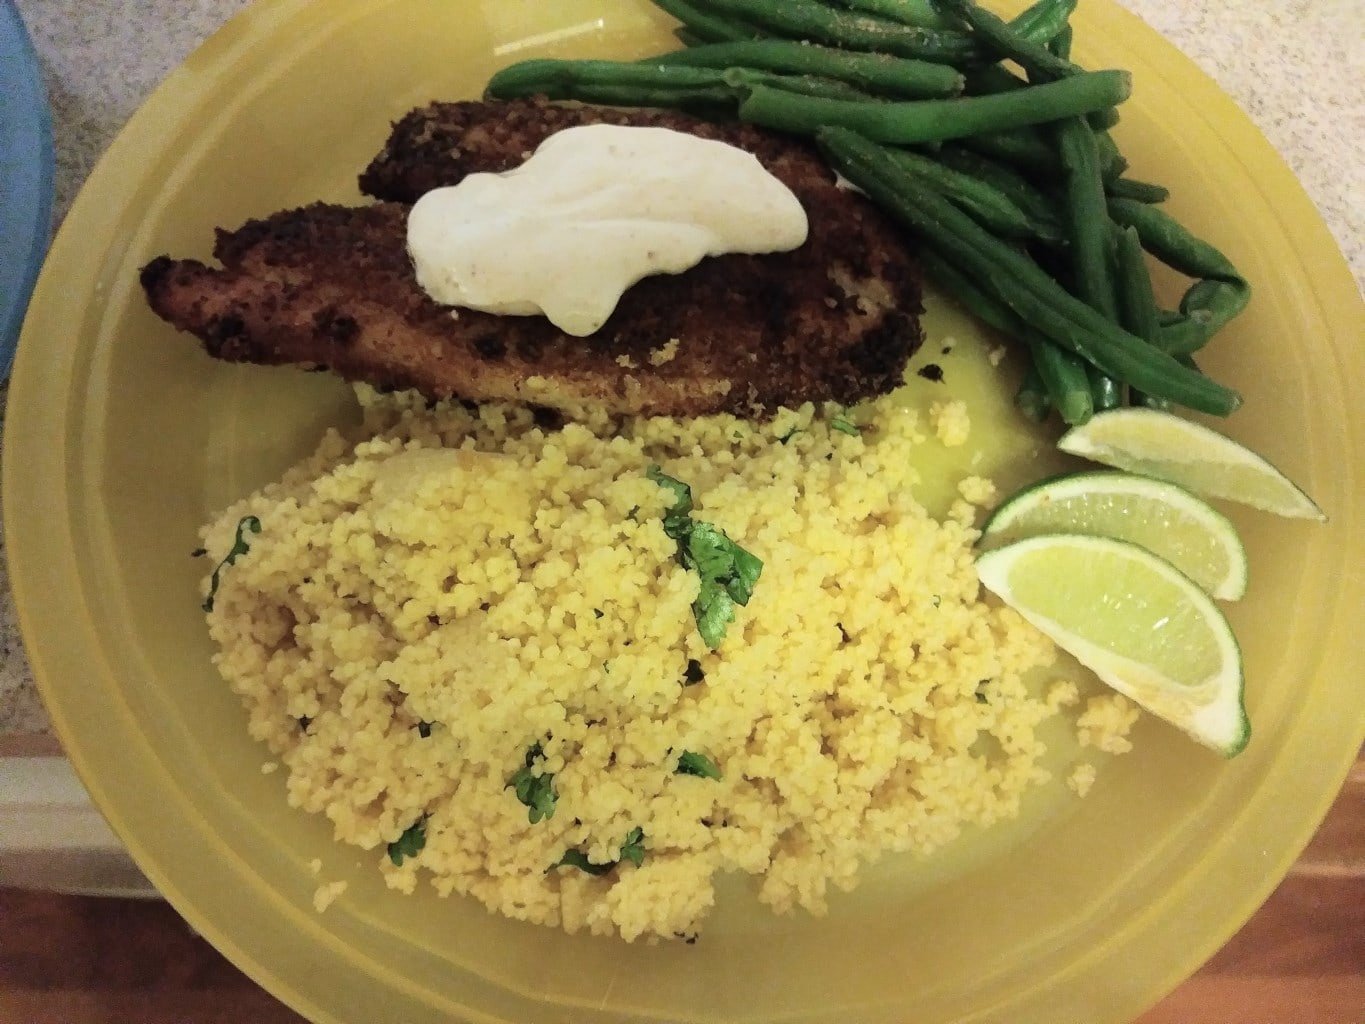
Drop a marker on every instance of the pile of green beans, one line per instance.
(1012, 185)
(1016, 281)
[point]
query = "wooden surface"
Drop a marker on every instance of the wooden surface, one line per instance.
(80, 960)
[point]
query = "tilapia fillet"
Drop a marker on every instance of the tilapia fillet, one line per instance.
(332, 286)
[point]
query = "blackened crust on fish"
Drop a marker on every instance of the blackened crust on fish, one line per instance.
(439, 144)
(331, 286)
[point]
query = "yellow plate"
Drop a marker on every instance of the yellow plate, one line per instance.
(123, 437)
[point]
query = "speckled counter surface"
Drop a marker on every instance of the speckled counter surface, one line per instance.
(1297, 68)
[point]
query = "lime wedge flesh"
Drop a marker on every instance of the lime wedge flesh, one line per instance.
(1165, 519)
(1167, 447)
(1140, 625)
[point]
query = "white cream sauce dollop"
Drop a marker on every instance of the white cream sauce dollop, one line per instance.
(595, 209)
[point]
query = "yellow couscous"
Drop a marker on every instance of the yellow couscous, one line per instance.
(1106, 722)
(327, 894)
(951, 422)
(470, 641)
(1081, 778)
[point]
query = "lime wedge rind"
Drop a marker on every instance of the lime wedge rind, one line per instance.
(1210, 710)
(1180, 451)
(1033, 511)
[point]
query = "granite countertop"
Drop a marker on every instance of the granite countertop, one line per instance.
(1297, 68)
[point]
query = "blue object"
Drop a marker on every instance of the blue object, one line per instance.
(25, 177)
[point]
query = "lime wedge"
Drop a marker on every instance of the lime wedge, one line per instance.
(1165, 519)
(1136, 622)
(1170, 448)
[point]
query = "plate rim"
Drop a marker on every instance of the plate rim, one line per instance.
(30, 423)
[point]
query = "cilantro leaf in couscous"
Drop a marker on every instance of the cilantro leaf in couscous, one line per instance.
(494, 639)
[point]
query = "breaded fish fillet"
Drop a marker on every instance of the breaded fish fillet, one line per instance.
(332, 286)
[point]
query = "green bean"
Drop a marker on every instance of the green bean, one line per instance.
(1044, 20)
(1103, 120)
(1068, 382)
(1100, 120)
(984, 79)
(1146, 401)
(1091, 236)
(1087, 217)
(1205, 309)
(813, 21)
(1171, 242)
(616, 84)
(1105, 392)
(1142, 191)
(947, 278)
(1023, 193)
(1060, 44)
(1133, 283)
(892, 76)
(916, 13)
(708, 26)
(802, 85)
(1031, 398)
(1164, 404)
(1017, 281)
(689, 38)
(1137, 304)
(926, 120)
(1219, 294)
(1050, 58)
(991, 207)
(1020, 147)
(1033, 57)
(714, 101)
(566, 79)
(1112, 163)
(1061, 373)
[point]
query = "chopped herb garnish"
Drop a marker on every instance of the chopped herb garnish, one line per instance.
(710, 551)
(537, 792)
(199, 552)
(632, 850)
(410, 843)
(577, 859)
(697, 764)
(240, 546)
(728, 572)
(678, 518)
(693, 673)
(844, 426)
(748, 568)
(424, 729)
(714, 610)
(789, 435)
(716, 557)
